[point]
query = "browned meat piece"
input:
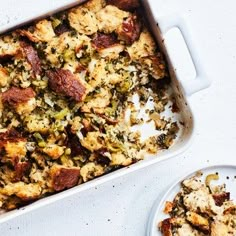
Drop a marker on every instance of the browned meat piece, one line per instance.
(15, 96)
(221, 198)
(101, 40)
(21, 168)
(32, 57)
(130, 30)
(65, 83)
(165, 227)
(63, 178)
(126, 5)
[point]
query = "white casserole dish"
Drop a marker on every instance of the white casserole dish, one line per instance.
(181, 90)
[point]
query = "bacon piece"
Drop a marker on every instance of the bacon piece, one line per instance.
(32, 57)
(65, 83)
(15, 96)
(63, 178)
(104, 40)
(126, 5)
(221, 198)
(21, 169)
(130, 30)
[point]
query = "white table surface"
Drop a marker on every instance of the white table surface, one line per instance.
(121, 207)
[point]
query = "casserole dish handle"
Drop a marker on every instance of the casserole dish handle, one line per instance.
(201, 80)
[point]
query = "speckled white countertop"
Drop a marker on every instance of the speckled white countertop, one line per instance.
(122, 207)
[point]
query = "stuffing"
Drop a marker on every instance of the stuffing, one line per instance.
(35, 123)
(143, 47)
(27, 107)
(4, 77)
(201, 200)
(130, 30)
(110, 18)
(67, 84)
(91, 170)
(111, 52)
(26, 192)
(32, 58)
(76, 124)
(199, 212)
(187, 229)
(198, 221)
(15, 149)
(219, 229)
(65, 47)
(100, 101)
(83, 20)
(120, 159)
(43, 31)
(22, 100)
(93, 141)
(95, 5)
(63, 178)
(155, 64)
(9, 47)
(53, 150)
(98, 73)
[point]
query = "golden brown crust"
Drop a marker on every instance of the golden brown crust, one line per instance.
(104, 40)
(32, 57)
(130, 30)
(165, 227)
(221, 198)
(65, 83)
(14, 96)
(63, 178)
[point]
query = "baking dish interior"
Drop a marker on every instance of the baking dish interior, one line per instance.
(183, 117)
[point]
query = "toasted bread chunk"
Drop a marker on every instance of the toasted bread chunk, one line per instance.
(91, 170)
(198, 221)
(143, 47)
(83, 20)
(43, 31)
(130, 30)
(65, 83)
(22, 190)
(110, 18)
(63, 178)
